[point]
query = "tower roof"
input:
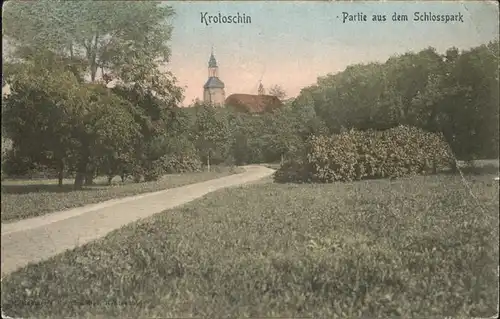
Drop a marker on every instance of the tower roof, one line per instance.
(214, 82)
(212, 63)
(253, 103)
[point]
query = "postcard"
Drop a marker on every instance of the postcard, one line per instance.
(250, 159)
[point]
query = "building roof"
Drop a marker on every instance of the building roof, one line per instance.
(212, 63)
(253, 103)
(214, 82)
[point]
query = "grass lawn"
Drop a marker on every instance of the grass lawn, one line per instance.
(29, 198)
(420, 247)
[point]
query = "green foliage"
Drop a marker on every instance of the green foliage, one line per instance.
(278, 91)
(280, 134)
(271, 137)
(213, 134)
(293, 171)
(128, 40)
(355, 155)
(456, 93)
(108, 126)
(181, 163)
(248, 138)
(40, 115)
(15, 164)
(153, 171)
(166, 155)
(6, 150)
(68, 122)
(181, 157)
(56, 119)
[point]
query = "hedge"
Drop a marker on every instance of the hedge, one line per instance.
(356, 155)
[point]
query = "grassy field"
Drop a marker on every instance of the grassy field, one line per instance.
(29, 198)
(420, 247)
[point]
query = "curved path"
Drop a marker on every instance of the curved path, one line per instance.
(39, 238)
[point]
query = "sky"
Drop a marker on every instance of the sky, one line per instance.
(292, 43)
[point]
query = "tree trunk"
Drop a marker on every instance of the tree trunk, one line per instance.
(281, 161)
(454, 166)
(81, 171)
(208, 161)
(110, 178)
(89, 176)
(79, 178)
(93, 58)
(60, 174)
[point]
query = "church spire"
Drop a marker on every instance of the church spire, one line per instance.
(212, 65)
(213, 90)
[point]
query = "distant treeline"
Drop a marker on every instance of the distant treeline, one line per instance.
(456, 93)
(88, 129)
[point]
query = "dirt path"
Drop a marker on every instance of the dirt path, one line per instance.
(39, 238)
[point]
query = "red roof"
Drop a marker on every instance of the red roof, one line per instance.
(253, 103)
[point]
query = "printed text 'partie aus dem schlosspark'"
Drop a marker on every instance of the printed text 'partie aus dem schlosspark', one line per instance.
(241, 18)
(398, 17)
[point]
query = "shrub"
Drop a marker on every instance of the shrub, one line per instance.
(14, 165)
(6, 149)
(153, 171)
(293, 172)
(179, 156)
(137, 173)
(356, 155)
(40, 171)
(181, 163)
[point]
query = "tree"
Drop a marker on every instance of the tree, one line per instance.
(155, 116)
(455, 93)
(39, 113)
(127, 41)
(250, 138)
(282, 138)
(277, 91)
(468, 99)
(6, 148)
(106, 130)
(213, 136)
(56, 121)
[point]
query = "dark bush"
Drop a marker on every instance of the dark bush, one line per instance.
(16, 166)
(180, 156)
(137, 173)
(153, 171)
(181, 163)
(356, 155)
(293, 172)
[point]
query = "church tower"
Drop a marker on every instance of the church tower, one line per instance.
(213, 90)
